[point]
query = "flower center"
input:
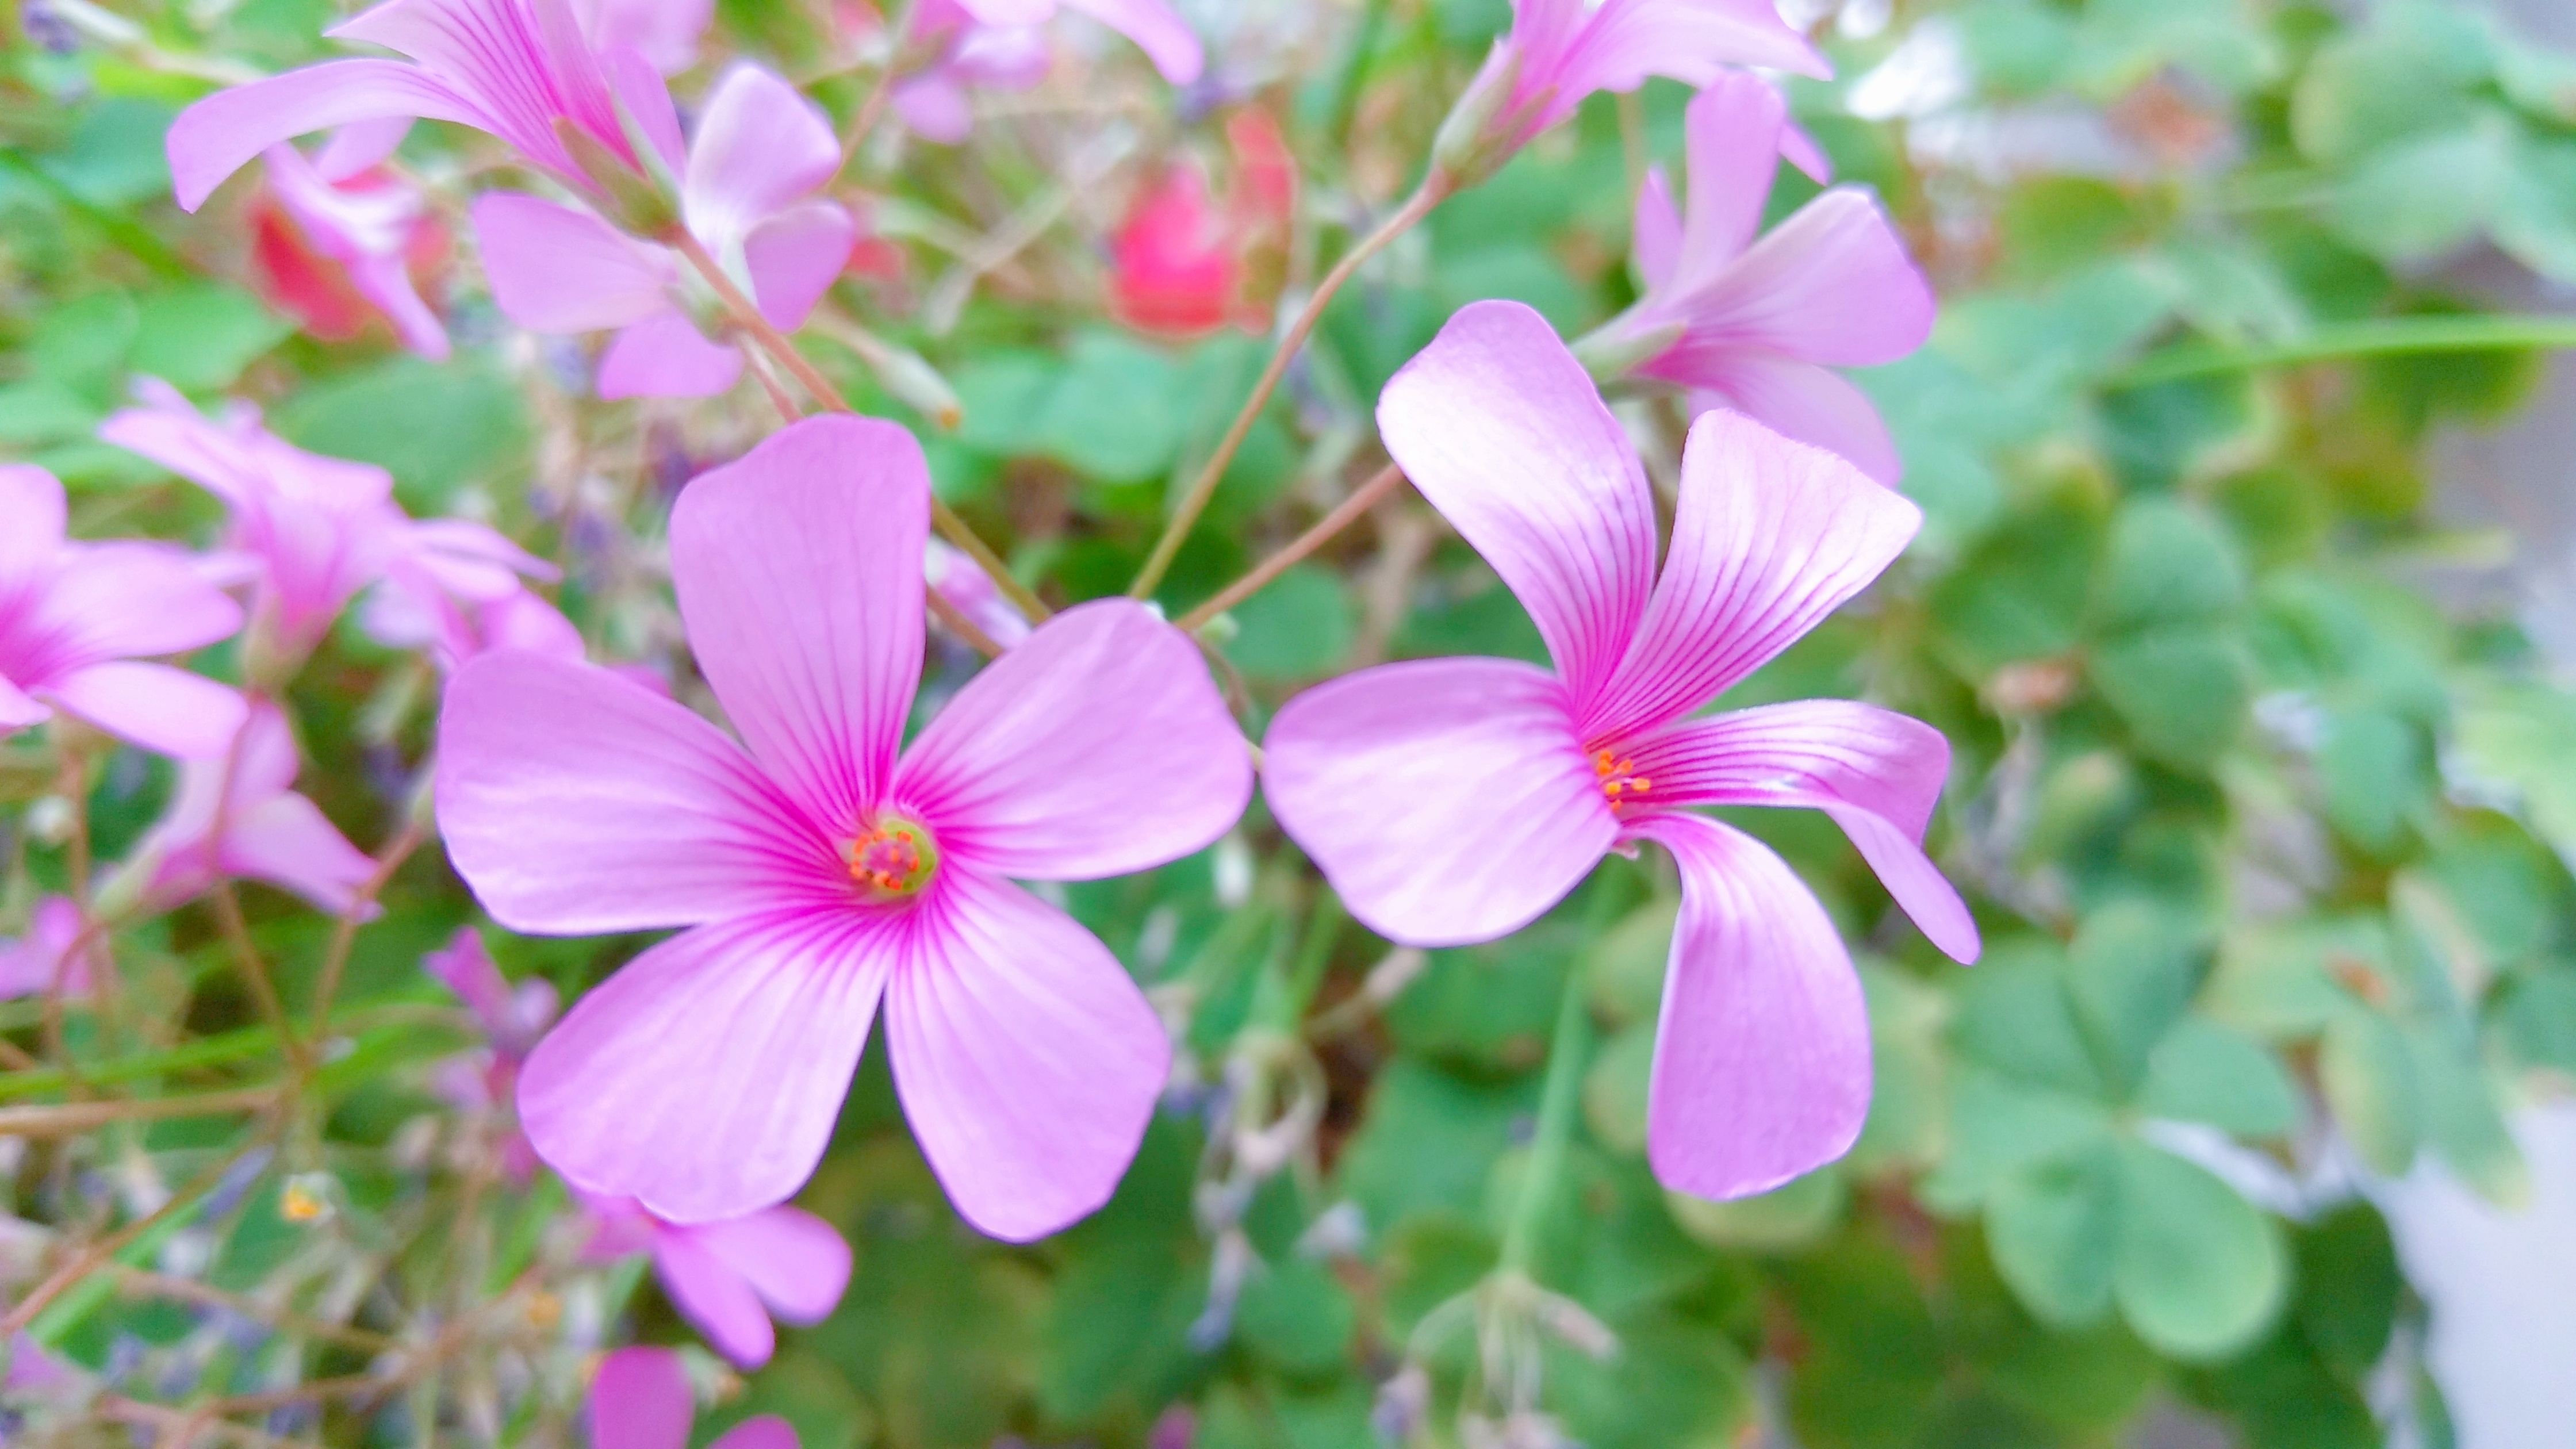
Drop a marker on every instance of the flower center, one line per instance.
(1620, 782)
(894, 860)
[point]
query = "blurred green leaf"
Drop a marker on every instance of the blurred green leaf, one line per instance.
(2198, 1271)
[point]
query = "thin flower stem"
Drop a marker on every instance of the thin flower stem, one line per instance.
(142, 1283)
(96, 1254)
(1434, 188)
(1569, 1051)
(1362, 499)
(76, 1117)
(344, 932)
(872, 110)
(747, 316)
(961, 626)
(254, 969)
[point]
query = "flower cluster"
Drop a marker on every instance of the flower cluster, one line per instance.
(826, 857)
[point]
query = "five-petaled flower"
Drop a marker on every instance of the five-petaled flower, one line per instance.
(511, 1018)
(729, 1277)
(561, 92)
(1560, 51)
(760, 153)
(1454, 800)
(999, 43)
(237, 814)
(824, 869)
(76, 617)
(1759, 326)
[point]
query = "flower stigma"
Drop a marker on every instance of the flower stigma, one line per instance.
(893, 860)
(1619, 778)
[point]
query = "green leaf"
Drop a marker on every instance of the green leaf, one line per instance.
(1797, 1214)
(2014, 1015)
(2181, 689)
(1430, 1260)
(2405, 75)
(1427, 1139)
(201, 337)
(2535, 208)
(1298, 627)
(1296, 1318)
(2019, 594)
(1673, 1381)
(2368, 1076)
(2519, 736)
(2203, 1072)
(1116, 415)
(1614, 1089)
(1624, 969)
(1489, 1006)
(81, 345)
(2131, 972)
(435, 426)
(1005, 396)
(1909, 1104)
(2377, 771)
(2462, 1120)
(2424, 196)
(2349, 1287)
(1999, 1128)
(115, 158)
(2052, 1229)
(2198, 1272)
(2168, 563)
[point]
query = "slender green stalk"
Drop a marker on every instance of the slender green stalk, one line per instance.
(1569, 1051)
(2377, 337)
(1435, 187)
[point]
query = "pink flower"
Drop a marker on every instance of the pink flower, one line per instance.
(760, 153)
(728, 1277)
(74, 617)
(269, 833)
(664, 32)
(1454, 800)
(823, 872)
(1181, 264)
(28, 964)
(458, 590)
(963, 583)
(332, 248)
(317, 529)
(512, 1019)
(998, 43)
(640, 1400)
(1561, 51)
(1757, 326)
(521, 70)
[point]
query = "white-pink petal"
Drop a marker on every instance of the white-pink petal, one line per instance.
(554, 269)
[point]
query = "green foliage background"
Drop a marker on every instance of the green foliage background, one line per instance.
(2265, 844)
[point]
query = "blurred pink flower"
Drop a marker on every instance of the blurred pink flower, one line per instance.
(269, 833)
(331, 250)
(1181, 263)
(32, 1370)
(824, 871)
(963, 583)
(664, 32)
(640, 1400)
(459, 590)
(760, 153)
(522, 70)
(74, 617)
(1758, 326)
(727, 1278)
(1561, 51)
(28, 964)
(320, 529)
(511, 1018)
(999, 43)
(1455, 800)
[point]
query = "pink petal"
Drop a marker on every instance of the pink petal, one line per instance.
(34, 962)
(664, 32)
(795, 256)
(18, 709)
(1732, 130)
(385, 281)
(524, 63)
(1098, 747)
(168, 711)
(32, 500)
(646, 100)
(118, 600)
(1656, 234)
(799, 574)
(215, 137)
(1877, 773)
(797, 1263)
(760, 148)
(713, 1297)
(1166, 39)
(1770, 536)
(766, 1431)
(640, 1400)
(359, 146)
(1499, 426)
(934, 106)
(1691, 41)
(704, 1077)
(1027, 1060)
(1798, 400)
(665, 355)
(1832, 284)
(576, 803)
(1447, 800)
(554, 269)
(286, 841)
(1799, 149)
(1762, 1067)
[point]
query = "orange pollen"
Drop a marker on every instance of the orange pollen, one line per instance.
(895, 858)
(1619, 777)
